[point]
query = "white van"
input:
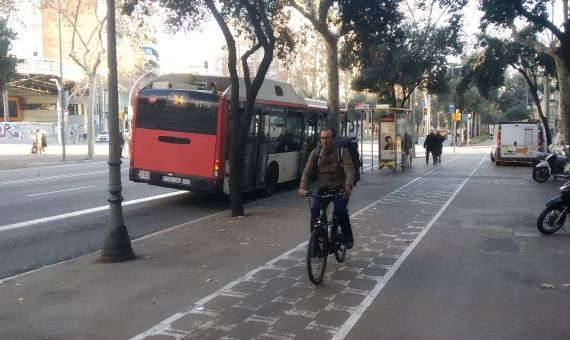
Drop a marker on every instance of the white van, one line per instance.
(517, 141)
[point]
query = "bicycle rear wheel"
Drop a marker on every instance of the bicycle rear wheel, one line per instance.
(317, 254)
(339, 248)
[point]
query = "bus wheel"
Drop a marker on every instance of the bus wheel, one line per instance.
(271, 181)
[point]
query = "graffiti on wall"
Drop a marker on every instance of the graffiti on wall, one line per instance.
(10, 131)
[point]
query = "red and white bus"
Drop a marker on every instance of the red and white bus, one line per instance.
(180, 135)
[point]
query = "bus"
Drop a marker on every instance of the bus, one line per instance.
(180, 135)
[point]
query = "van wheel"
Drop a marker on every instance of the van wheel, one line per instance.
(271, 180)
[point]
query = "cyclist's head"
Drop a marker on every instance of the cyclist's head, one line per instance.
(327, 137)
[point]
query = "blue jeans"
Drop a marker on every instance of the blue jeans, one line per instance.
(340, 210)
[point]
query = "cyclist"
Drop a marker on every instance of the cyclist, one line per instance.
(331, 174)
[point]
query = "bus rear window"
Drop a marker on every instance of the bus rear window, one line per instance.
(184, 111)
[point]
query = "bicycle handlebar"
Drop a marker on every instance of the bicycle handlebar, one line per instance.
(328, 194)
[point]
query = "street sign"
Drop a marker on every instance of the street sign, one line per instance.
(423, 103)
(451, 107)
(464, 117)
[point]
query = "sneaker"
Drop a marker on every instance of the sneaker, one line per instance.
(348, 241)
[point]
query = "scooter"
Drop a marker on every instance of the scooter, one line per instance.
(552, 218)
(553, 164)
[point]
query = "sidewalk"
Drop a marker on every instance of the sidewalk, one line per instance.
(15, 155)
(211, 277)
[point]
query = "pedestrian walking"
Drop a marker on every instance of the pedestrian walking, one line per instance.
(438, 142)
(39, 140)
(429, 145)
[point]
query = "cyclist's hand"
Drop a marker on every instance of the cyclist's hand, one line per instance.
(346, 193)
(302, 192)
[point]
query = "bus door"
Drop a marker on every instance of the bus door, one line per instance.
(261, 121)
(250, 156)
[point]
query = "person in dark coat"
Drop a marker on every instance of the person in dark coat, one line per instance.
(429, 145)
(438, 146)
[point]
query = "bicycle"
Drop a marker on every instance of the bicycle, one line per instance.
(326, 238)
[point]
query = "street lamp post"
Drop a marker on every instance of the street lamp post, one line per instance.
(117, 245)
(155, 72)
(60, 88)
(452, 97)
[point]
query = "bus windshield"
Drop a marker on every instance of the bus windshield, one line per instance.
(177, 110)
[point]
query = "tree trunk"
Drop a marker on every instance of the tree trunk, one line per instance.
(564, 85)
(236, 162)
(333, 81)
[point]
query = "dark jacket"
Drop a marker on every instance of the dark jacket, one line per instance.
(331, 174)
(438, 141)
(430, 142)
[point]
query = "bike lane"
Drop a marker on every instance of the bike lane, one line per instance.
(277, 300)
(483, 271)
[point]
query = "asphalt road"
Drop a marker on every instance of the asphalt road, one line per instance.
(50, 214)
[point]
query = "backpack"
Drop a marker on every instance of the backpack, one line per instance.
(350, 143)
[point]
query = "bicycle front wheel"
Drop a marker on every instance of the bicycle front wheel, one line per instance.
(340, 249)
(317, 254)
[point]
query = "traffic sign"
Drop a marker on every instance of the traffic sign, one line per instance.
(451, 107)
(423, 103)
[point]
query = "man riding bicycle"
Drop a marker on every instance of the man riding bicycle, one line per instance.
(333, 173)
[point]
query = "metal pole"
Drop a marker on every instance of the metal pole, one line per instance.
(61, 88)
(372, 139)
(452, 97)
(117, 246)
(468, 135)
(362, 140)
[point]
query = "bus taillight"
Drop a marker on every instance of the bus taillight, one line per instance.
(216, 167)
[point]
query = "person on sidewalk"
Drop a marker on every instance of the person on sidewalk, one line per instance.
(39, 140)
(438, 142)
(429, 145)
(331, 174)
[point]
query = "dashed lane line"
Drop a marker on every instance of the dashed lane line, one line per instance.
(85, 212)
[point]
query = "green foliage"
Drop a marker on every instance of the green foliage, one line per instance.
(412, 55)
(7, 61)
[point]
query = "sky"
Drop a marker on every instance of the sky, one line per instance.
(186, 52)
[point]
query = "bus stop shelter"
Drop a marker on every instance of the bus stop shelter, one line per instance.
(387, 138)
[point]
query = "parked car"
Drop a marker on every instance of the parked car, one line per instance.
(103, 136)
(517, 141)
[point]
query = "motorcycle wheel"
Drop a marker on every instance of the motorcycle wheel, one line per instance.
(540, 174)
(546, 222)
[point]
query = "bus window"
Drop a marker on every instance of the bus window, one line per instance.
(294, 133)
(183, 111)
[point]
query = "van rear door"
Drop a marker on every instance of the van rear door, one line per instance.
(519, 140)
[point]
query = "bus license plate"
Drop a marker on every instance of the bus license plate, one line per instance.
(169, 179)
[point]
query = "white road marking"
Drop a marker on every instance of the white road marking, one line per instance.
(55, 192)
(165, 325)
(47, 178)
(357, 314)
(85, 212)
(442, 165)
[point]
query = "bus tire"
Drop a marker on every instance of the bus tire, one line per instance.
(271, 180)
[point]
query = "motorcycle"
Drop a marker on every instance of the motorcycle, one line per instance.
(552, 218)
(553, 164)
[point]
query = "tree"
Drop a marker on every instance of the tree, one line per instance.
(535, 15)
(265, 23)
(413, 57)
(334, 19)
(7, 61)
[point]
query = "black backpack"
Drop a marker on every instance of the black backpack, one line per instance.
(350, 143)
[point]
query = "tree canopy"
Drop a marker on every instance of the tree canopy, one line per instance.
(414, 55)
(8, 61)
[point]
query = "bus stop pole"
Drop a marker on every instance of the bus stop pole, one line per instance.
(362, 141)
(372, 140)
